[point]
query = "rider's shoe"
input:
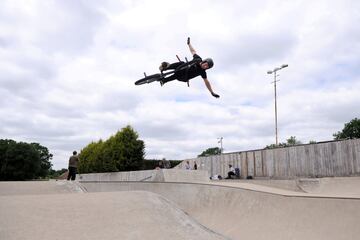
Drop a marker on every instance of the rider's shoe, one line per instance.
(161, 83)
(164, 66)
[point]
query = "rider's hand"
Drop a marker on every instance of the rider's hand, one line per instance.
(188, 40)
(215, 95)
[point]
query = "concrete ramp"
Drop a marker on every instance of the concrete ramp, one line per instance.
(172, 210)
(38, 187)
(94, 216)
(344, 186)
(160, 175)
(240, 213)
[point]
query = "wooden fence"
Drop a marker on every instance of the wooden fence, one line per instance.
(324, 159)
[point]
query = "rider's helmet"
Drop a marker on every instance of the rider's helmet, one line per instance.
(209, 61)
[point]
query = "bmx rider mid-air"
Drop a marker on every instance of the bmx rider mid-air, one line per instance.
(197, 69)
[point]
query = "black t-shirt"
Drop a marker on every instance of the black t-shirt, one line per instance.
(194, 71)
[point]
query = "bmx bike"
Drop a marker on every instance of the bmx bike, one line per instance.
(163, 75)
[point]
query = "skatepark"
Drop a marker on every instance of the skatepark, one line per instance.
(301, 192)
(179, 204)
(151, 106)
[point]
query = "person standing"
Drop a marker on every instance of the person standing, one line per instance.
(73, 164)
(195, 165)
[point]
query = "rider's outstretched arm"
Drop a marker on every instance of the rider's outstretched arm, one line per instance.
(208, 85)
(192, 50)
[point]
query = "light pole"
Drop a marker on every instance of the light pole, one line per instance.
(221, 144)
(275, 75)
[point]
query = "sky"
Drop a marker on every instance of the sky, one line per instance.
(68, 67)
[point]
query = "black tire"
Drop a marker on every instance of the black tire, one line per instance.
(148, 79)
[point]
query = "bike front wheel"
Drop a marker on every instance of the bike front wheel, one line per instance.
(149, 79)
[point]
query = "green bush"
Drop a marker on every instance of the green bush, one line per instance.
(122, 152)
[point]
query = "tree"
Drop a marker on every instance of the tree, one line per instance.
(289, 142)
(210, 151)
(4, 145)
(121, 152)
(292, 141)
(110, 155)
(131, 150)
(45, 157)
(91, 158)
(350, 130)
(23, 161)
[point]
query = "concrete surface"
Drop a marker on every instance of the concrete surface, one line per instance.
(243, 211)
(177, 210)
(160, 175)
(116, 215)
(37, 187)
(345, 186)
(286, 184)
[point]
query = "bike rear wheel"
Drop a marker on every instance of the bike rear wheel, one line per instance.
(149, 79)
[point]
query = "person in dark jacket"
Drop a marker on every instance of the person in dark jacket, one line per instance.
(73, 164)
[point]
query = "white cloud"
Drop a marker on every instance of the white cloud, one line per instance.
(68, 70)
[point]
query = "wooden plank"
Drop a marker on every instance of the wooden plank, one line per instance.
(342, 165)
(281, 164)
(350, 156)
(342, 154)
(276, 164)
(233, 160)
(214, 165)
(293, 167)
(221, 163)
(226, 163)
(258, 168)
(327, 163)
(250, 163)
(268, 162)
(301, 161)
(355, 152)
(244, 166)
(317, 160)
(356, 155)
(308, 164)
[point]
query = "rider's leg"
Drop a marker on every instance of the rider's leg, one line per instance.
(174, 65)
(168, 79)
(180, 76)
(166, 66)
(171, 77)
